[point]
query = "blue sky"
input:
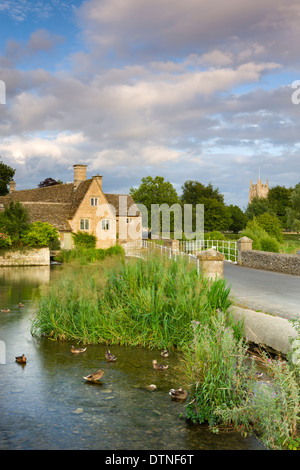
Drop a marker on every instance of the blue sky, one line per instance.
(194, 90)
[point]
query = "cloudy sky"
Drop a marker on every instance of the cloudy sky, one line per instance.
(188, 90)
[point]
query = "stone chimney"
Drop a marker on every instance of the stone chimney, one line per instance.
(12, 186)
(79, 174)
(98, 178)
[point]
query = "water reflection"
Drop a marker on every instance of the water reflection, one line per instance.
(47, 404)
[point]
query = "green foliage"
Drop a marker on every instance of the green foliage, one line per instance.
(84, 239)
(5, 240)
(85, 256)
(154, 191)
(293, 212)
(261, 239)
(258, 206)
(14, 221)
(238, 219)
(214, 236)
(39, 234)
(216, 213)
(215, 364)
(271, 224)
(279, 200)
(194, 192)
(6, 175)
(139, 303)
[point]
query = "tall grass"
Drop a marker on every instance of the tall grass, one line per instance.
(86, 255)
(149, 303)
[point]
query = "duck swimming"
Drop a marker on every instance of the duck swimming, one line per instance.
(158, 366)
(178, 394)
(151, 387)
(109, 356)
(78, 350)
(21, 359)
(95, 377)
(164, 353)
(5, 311)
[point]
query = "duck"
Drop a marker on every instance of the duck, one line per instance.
(20, 305)
(178, 394)
(21, 359)
(95, 377)
(109, 356)
(5, 311)
(151, 387)
(158, 366)
(164, 353)
(78, 350)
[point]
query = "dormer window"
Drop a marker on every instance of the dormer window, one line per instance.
(94, 201)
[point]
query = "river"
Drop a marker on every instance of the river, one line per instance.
(48, 405)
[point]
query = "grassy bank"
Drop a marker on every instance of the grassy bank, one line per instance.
(85, 256)
(132, 303)
(162, 303)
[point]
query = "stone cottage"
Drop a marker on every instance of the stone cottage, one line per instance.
(81, 206)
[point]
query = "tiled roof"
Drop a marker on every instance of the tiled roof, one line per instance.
(57, 204)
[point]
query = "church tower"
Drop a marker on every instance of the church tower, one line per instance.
(258, 190)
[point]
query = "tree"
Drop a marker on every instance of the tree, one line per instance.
(293, 212)
(271, 224)
(216, 213)
(6, 175)
(258, 205)
(49, 182)
(14, 220)
(193, 192)
(238, 219)
(154, 191)
(279, 200)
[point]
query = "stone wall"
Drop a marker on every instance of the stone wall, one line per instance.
(278, 262)
(29, 257)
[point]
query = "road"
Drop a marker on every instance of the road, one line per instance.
(266, 291)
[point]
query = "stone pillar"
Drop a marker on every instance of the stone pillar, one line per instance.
(244, 244)
(211, 264)
(173, 244)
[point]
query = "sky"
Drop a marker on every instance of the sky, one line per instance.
(202, 90)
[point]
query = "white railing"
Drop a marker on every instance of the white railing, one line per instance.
(227, 248)
(186, 248)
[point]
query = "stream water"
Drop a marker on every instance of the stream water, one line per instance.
(47, 404)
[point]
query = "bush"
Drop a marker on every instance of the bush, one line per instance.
(5, 240)
(261, 239)
(84, 239)
(268, 243)
(215, 235)
(271, 224)
(39, 234)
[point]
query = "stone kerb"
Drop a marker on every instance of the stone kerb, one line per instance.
(211, 263)
(244, 244)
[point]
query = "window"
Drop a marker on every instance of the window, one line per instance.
(84, 224)
(94, 201)
(105, 224)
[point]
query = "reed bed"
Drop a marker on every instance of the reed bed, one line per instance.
(148, 303)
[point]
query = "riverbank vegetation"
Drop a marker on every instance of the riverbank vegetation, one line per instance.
(163, 303)
(18, 233)
(147, 303)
